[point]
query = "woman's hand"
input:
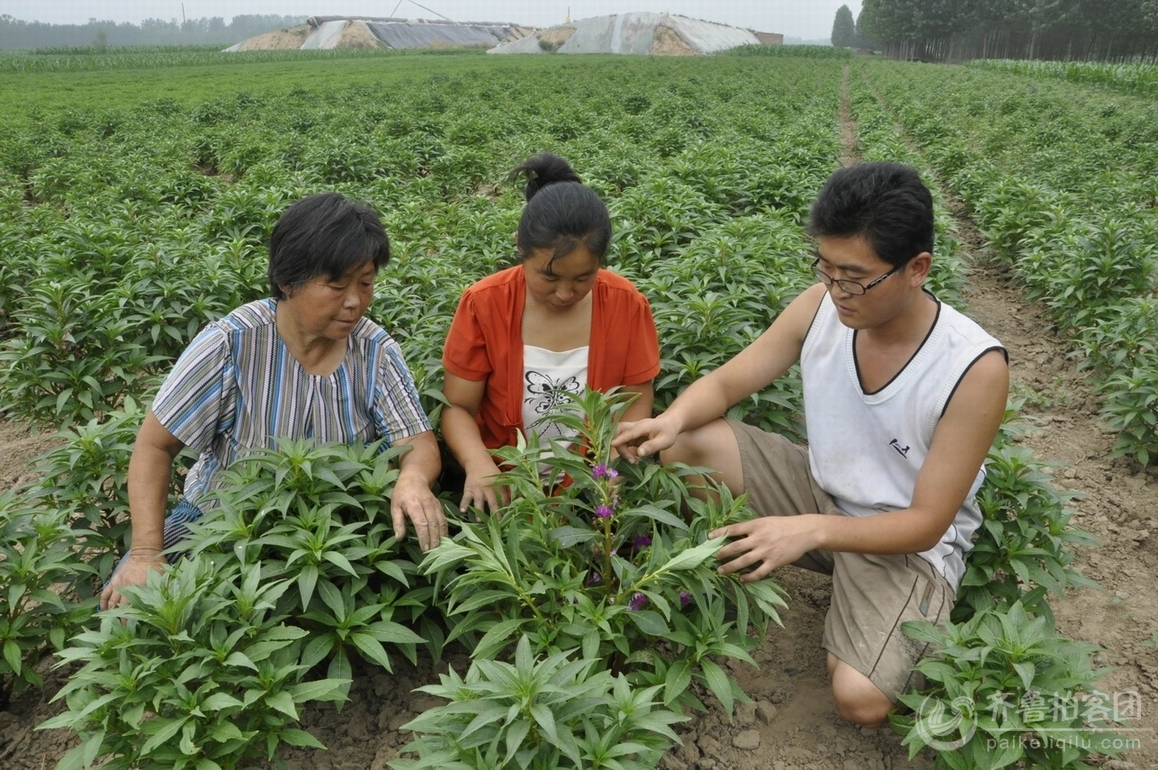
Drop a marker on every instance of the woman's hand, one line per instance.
(133, 572)
(412, 499)
(480, 489)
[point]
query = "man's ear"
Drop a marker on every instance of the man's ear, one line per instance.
(919, 267)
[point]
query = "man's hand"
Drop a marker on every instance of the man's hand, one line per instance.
(770, 541)
(132, 573)
(480, 491)
(412, 499)
(639, 439)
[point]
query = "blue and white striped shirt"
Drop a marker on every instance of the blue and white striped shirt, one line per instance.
(237, 387)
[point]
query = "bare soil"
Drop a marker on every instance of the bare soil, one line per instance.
(357, 35)
(667, 43)
(556, 36)
(281, 40)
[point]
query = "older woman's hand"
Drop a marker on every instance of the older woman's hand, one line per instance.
(132, 572)
(412, 498)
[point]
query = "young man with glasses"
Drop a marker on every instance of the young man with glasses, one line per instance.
(903, 397)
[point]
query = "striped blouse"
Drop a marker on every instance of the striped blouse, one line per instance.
(237, 387)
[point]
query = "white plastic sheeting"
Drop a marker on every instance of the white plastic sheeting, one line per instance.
(634, 33)
(427, 34)
(708, 37)
(326, 32)
(325, 36)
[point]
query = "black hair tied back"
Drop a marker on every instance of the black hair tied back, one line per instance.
(561, 211)
(544, 169)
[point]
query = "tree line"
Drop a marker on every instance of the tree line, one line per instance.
(1097, 30)
(15, 33)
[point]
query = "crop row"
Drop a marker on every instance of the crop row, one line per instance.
(134, 57)
(1069, 202)
(1130, 78)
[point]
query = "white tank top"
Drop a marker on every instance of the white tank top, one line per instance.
(866, 449)
(548, 376)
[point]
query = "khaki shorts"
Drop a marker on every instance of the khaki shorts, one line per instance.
(872, 595)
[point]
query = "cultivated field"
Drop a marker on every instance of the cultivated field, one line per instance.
(136, 199)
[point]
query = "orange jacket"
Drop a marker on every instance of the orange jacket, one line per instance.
(485, 342)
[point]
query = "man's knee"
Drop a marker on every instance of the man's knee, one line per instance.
(710, 446)
(857, 699)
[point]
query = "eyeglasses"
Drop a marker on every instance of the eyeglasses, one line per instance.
(845, 285)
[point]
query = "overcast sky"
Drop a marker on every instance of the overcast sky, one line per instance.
(808, 19)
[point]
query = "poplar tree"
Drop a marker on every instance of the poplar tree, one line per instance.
(843, 28)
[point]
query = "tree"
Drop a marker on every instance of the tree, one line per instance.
(843, 28)
(862, 38)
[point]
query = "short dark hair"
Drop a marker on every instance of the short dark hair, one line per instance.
(561, 211)
(324, 234)
(887, 204)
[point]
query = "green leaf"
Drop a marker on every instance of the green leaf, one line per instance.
(499, 635)
(295, 737)
(718, 683)
(283, 702)
(679, 676)
(307, 580)
(693, 557)
(340, 561)
(320, 690)
(220, 701)
(163, 729)
(372, 649)
(12, 656)
(225, 731)
(649, 622)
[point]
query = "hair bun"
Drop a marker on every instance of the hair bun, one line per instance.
(544, 169)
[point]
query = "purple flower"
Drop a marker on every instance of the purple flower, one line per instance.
(604, 512)
(638, 602)
(643, 541)
(595, 579)
(685, 598)
(602, 471)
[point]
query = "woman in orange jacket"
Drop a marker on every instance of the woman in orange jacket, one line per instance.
(524, 337)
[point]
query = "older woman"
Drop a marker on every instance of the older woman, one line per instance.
(304, 363)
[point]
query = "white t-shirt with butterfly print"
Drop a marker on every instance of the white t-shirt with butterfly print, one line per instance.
(548, 376)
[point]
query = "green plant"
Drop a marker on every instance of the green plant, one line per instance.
(1132, 409)
(36, 555)
(599, 556)
(539, 715)
(86, 478)
(1022, 551)
(1004, 690)
(318, 515)
(197, 670)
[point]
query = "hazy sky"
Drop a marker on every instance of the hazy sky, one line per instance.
(809, 19)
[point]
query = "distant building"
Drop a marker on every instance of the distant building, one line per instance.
(770, 38)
